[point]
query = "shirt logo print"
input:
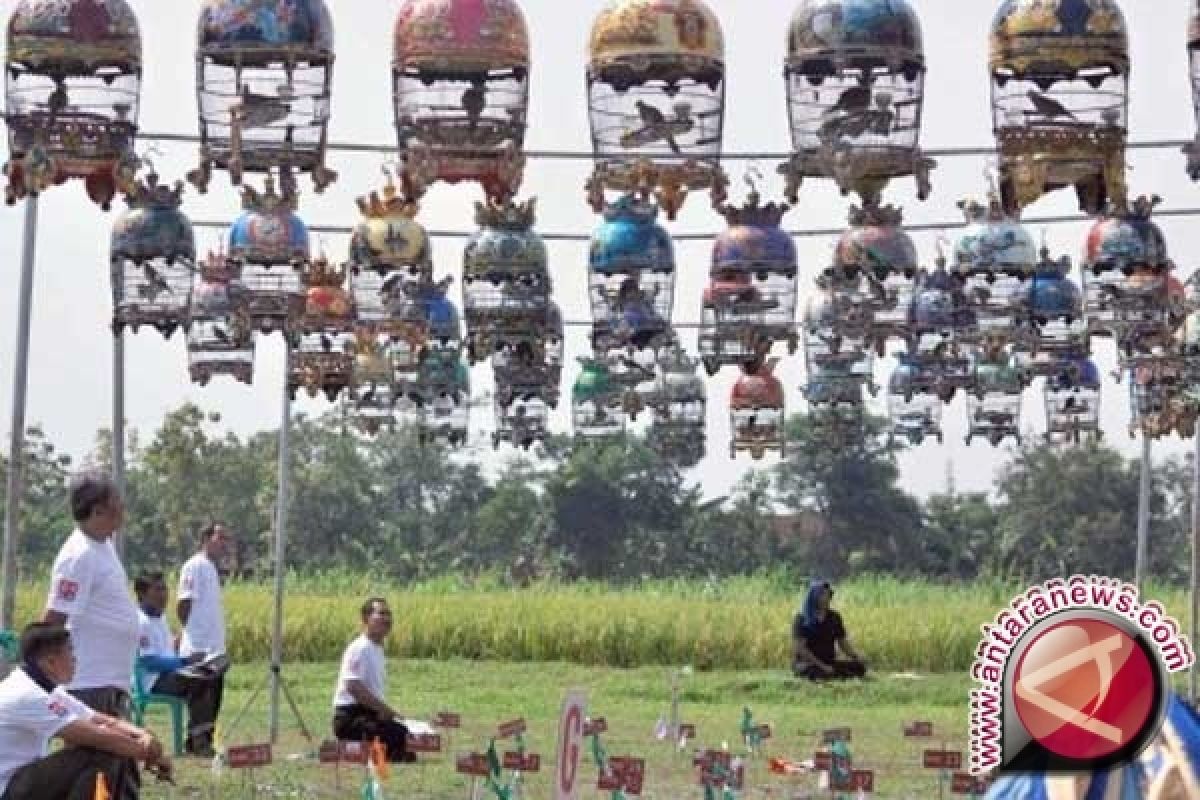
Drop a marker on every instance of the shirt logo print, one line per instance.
(68, 590)
(57, 708)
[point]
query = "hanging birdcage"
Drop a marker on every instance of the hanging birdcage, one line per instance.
(656, 98)
(750, 303)
(855, 75)
(371, 396)
(758, 412)
(153, 260)
(220, 339)
(73, 89)
(445, 413)
(460, 83)
(995, 257)
(942, 326)
(527, 363)
(839, 386)
(522, 423)
(322, 336)
(1056, 328)
(597, 403)
(994, 398)
(679, 403)
(271, 245)
(388, 239)
(631, 270)
(1060, 80)
(1160, 402)
(506, 277)
(914, 408)
(838, 351)
(1072, 398)
(264, 78)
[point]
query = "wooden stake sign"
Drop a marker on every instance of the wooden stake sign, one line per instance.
(763, 732)
(716, 770)
(966, 783)
(687, 731)
(623, 774)
(918, 730)
(943, 759)
(252, 756)
(522, 762)
(595, 727)
(823, 761)
(507, 730)
(424, 743)
(859, 780)
(835, 735)
(335, 753)
(473, 764)
(447, 719)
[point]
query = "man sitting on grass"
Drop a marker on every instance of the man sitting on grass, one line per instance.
(360, 710)
(817, 634)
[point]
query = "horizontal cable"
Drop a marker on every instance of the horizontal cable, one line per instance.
(581, 155)
(707, 237)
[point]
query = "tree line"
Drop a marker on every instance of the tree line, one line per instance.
(617, 512)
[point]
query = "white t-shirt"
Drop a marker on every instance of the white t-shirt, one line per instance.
(363, 661)
(205, 629)
(154, 640)
(29, 718)
(89, 585)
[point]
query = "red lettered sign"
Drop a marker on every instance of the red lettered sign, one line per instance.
(835, 735)
(249, 756)
(447, 719)
(823, 761)
(918, 730)
(522, 762)
(342, 753)
(473, 764)
(763, 731)
(858, 780)
(716, 769)
(424, 743)
(507, 730)
(623, 773)
(943, 759)
(687, 731)
(966, 783)
(594, 727)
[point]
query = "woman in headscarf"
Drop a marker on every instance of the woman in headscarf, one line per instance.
(817, 635)
(1168, 769)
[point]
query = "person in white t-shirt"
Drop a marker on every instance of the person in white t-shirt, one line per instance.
(89, 595)
(160, 667)
(198, 605)
(360, 709)
(34, 709)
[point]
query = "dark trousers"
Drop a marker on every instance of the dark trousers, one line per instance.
(113, 703)
(70, 774)
(841, 671)
(361, 724)
(203, 698)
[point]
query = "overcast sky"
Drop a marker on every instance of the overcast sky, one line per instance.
(70, 374)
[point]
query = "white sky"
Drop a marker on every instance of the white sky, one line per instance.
(70, 369)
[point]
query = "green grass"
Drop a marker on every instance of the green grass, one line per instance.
(736, 624)
(487, 693)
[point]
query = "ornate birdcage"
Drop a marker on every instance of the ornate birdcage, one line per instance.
(995, 257)
(679, 402)
(264, 77)
(1056, 327)
(631, 270)
(220, 339)
(942, 327)
(460, 82)
(656, 96)
(994, 399)
(271, 246)
(522, 423)
(751, 299)
(876, 261)
(527, 364)
(1060, 79)
(388, 239)
(597, 403)
(73, 90)
(153, 260)
(371, 398)
(839, 386)
(1160, 402)
(914, 408)
(836, 354)
(855, 75)
(758, 412)
(445, 412)
(322, 336)
(506, 277)
(1072, 398)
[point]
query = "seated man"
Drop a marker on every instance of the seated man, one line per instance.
(817, 633)
(34, 708)
(360, 712)
(160, 665)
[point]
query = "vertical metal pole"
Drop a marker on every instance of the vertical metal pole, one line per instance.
(280, 540)
(118, 426)
(1143, 519)
(1194, 634)
(16, 450)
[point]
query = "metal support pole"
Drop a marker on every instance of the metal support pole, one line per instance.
(1143, 519)
(118, 426)
(16, 450)
(1194, 634)
(280, 540)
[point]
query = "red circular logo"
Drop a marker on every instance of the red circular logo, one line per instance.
(1084, 689)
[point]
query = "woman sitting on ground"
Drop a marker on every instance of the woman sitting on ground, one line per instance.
(817, 634)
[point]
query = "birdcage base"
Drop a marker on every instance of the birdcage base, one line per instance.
(499, 172)
(102, 160)
(1036, 162)
(203, 374)
(263, 160)
(669, 182)
(134, 322)
(864, 172)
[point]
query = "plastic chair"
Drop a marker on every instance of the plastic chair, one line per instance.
(142, 700)
(9, 652)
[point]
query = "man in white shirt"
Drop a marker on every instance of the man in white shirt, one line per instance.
(89, 595)
(34, 709)
(200, 610)
(160, 666)
(360, 709)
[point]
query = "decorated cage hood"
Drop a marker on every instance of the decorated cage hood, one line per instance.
(827, 35)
